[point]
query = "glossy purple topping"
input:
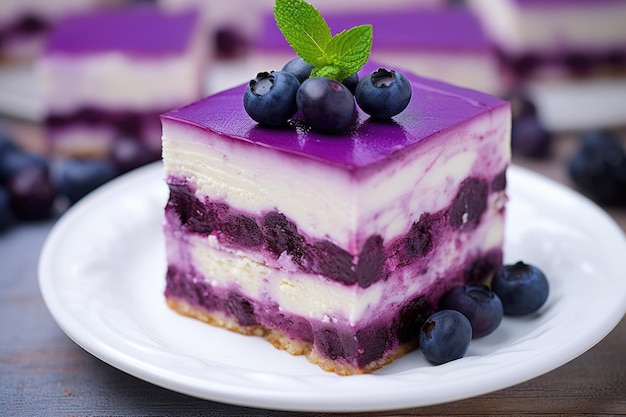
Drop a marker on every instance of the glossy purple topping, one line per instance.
(435, 107)
(438, 29)
(134, 30)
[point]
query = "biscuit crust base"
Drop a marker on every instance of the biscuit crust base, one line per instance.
(281, 341)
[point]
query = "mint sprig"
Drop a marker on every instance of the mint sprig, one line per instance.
(336, 57)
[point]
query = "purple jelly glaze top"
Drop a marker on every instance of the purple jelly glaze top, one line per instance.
(139, 30)
(435, 106)
(448, 29)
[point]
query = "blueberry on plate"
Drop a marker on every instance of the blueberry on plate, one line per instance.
(479, 304)
(326, 105)
(383, 93)
(598, 168)
(523, 288)
(78, 177)
(270, 98)
(445, 336)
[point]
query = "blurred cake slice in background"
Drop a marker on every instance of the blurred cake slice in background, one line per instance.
(24, 24)
(446, 43)
(107, 75)
(556, 38)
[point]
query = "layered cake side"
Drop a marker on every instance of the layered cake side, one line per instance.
(557, 37)
(108, 75)
(24, 24)
(337, 247)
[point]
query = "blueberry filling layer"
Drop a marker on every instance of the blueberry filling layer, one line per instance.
(358, 345)
(276, 236)
(126, 123)
(576, 63)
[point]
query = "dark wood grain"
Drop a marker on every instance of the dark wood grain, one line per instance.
(43, 373)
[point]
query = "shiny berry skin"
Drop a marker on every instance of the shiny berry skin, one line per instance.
(598, 168)
(6, 215)
(351, 82)
(523, 288)
(14, 160)
(78, 177)
(299, 68)
(33, 193)
(445, 336)
(529, 137)
(130, 153)
(326, 105)
(383, 93)
(270, 98)
(479, 304)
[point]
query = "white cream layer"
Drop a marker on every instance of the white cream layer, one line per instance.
(328, 202)
(119, 81)
(595, 25)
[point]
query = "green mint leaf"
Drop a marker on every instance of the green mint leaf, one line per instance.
(350, 49)
(305, 30)
(336, 57)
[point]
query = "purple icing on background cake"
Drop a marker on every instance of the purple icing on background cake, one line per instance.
(138, 30)
(447, 29)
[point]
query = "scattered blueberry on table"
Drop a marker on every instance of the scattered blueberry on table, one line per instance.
(33, 187)
(598, 167)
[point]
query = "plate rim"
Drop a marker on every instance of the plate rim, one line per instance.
(214, 391)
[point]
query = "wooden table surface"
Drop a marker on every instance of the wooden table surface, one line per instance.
(43, 373)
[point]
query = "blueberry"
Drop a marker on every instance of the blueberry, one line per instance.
(327, 105)
(351, 82)
(479, 304)
(469, 204)
(370, 266)
(445, 336)
(242, 309)
(529, 137)
(598, 168)
(334, 262)
(299, 68)
(383, 93)
(282, 236)
(6, 214)
(270, 98)
(78, 177)
(242, 230)
(14, 160)
(6, 144)
(523, 288)
(230, 42)
(32, 193)
(129, 153)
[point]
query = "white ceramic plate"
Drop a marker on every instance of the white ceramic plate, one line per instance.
(102, 275)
